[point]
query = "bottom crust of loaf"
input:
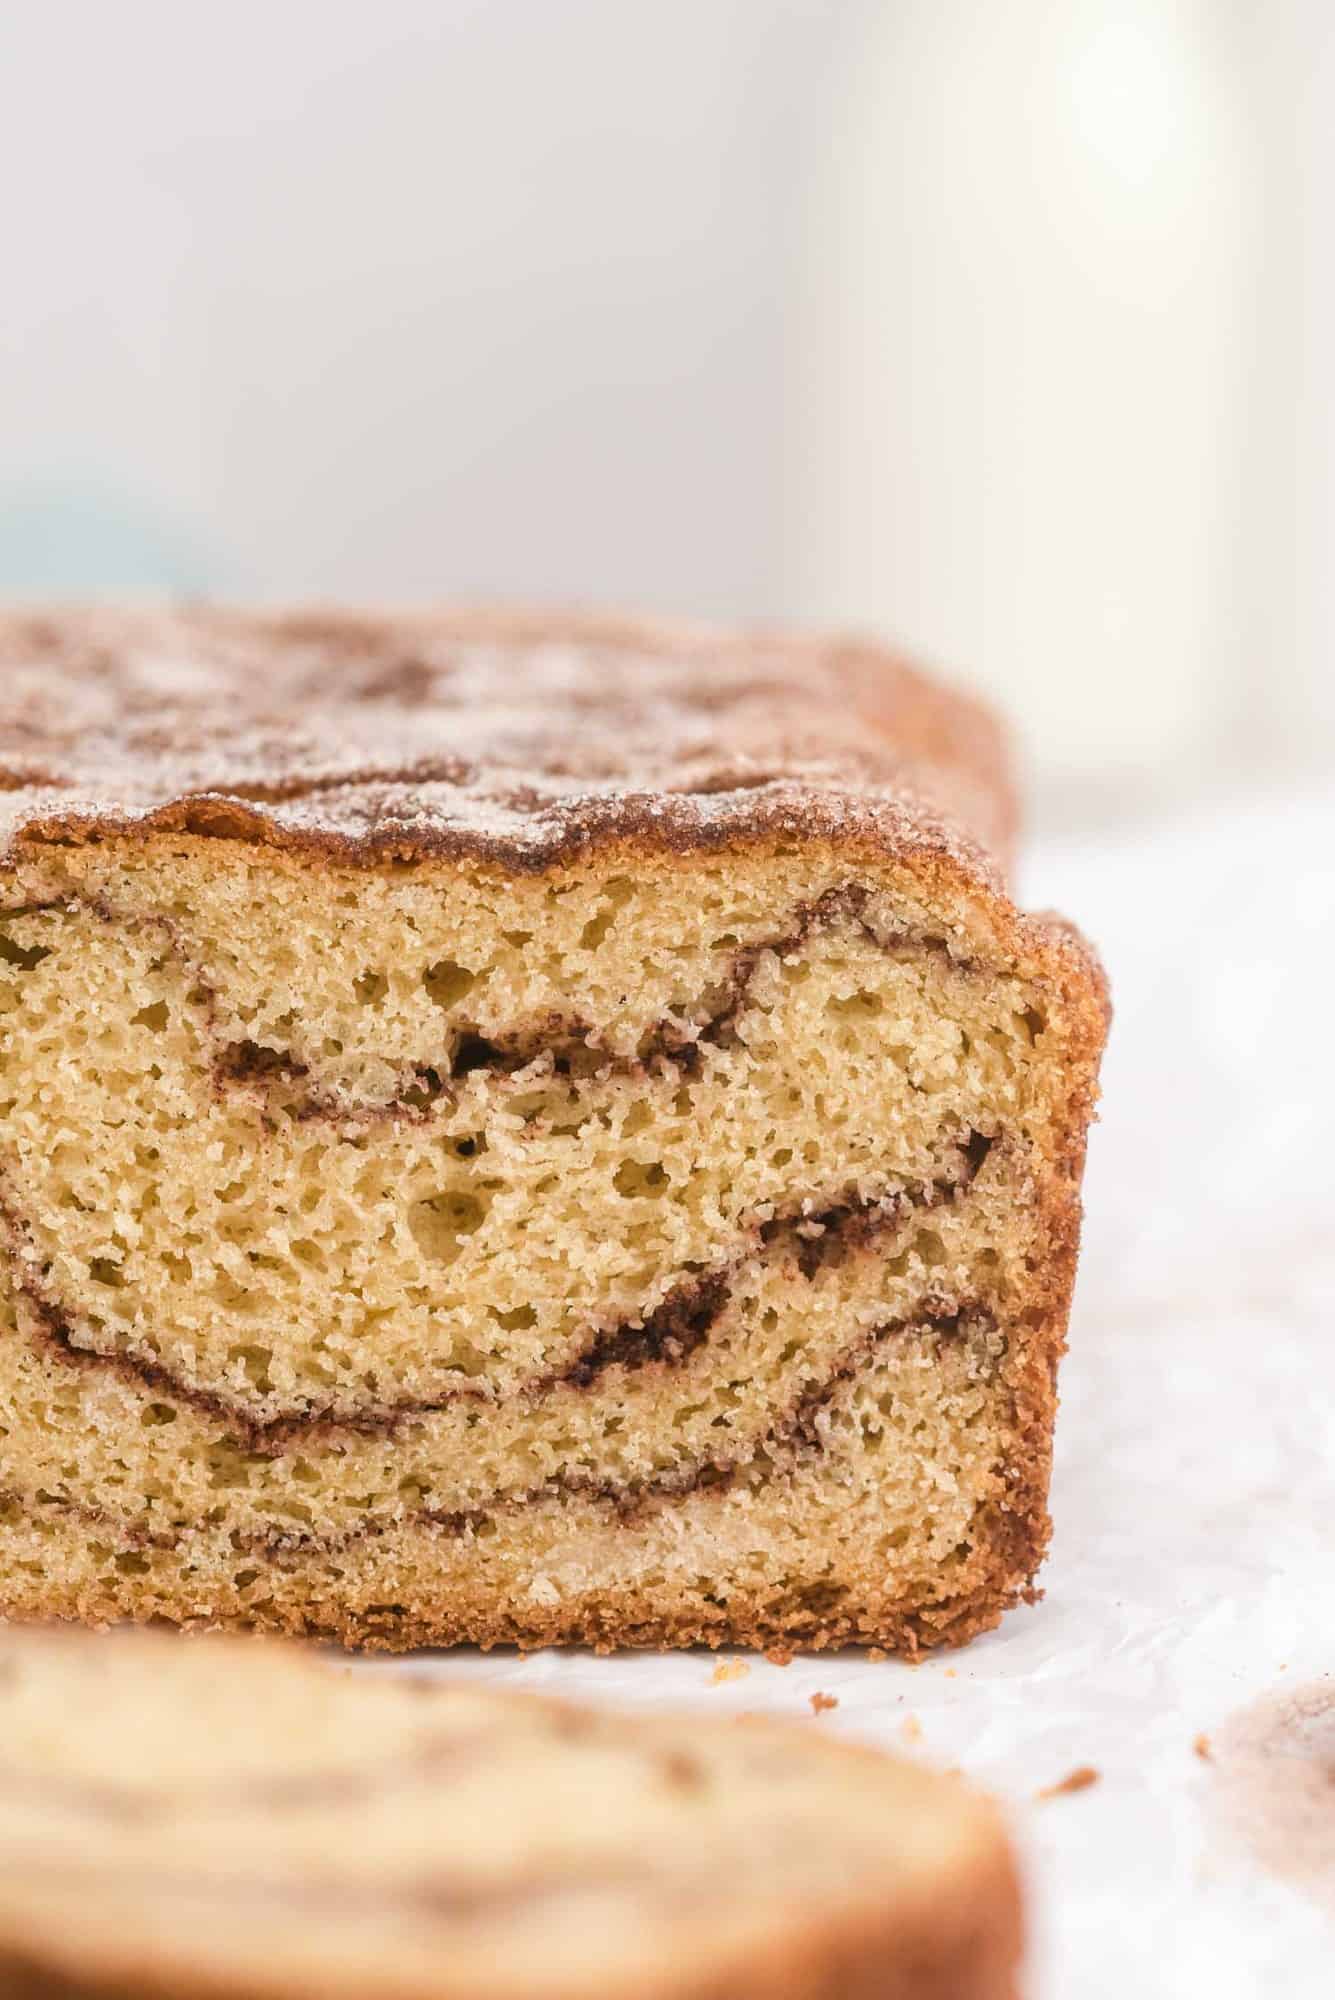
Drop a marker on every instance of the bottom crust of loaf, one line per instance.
(612, 1624)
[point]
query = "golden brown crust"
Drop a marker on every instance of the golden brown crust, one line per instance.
(616, 1623)
(519, 738)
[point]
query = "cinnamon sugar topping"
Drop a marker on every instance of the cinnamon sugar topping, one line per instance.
(500, 736)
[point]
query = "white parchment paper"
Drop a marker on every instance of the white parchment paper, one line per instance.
(1194, 1560)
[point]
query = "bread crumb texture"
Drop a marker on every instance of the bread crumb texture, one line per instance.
(1078, 1780)
(729, 1670)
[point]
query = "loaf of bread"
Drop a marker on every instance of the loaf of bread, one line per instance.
(184, 1820)
(521, 1132)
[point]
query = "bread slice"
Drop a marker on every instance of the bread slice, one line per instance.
(214, 1817)
(530, 1135)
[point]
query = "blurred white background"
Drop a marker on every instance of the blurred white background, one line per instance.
(1006, 330)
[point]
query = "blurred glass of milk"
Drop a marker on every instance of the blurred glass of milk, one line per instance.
(1020, 423)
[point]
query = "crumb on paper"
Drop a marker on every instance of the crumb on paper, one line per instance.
(876, 1654)
(1202, 1747)
(779, 1656)
(911, 1729)
(950, 1673)
(729, 1670)
(820, 1702)
(1078, 1780)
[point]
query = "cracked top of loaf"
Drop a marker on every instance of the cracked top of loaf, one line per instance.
(510, 737)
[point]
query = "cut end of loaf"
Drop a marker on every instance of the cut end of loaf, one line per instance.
(650, 1249)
